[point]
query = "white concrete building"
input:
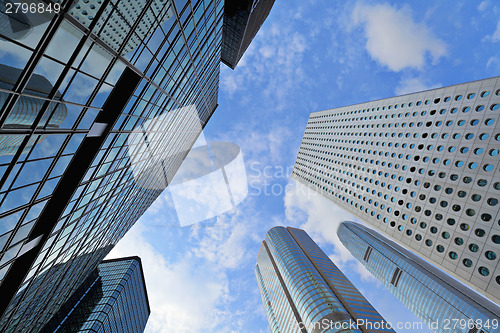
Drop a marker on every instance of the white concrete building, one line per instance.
(422, 168)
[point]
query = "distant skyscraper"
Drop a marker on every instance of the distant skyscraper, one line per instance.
(423, 168)
(112, 299)
(303, 291)
(242, 21)
(136, 99)
(436, 298)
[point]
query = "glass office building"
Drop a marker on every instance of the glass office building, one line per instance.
(304, 291)
(423, 168)
(440, 301)
(117, 92)
(112, 299)
(242, 21)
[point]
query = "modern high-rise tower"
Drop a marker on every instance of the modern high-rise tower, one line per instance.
(304, 291)
(422, 168)
(139, 81)
(437, 299)
(113, 298)
(242, 21)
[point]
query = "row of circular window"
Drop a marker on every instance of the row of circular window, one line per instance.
(445, 235)
(486, 217)
(461, 193)
(397, 145)
(437, 123)
(458, 240)
(453, 177)
(465, 109)
(340, 136)
(473, 165)
(456, 135)
(388, 165)
(487, 167)
(382, 184)
(463, 150)
(470, 212)
(458, 97)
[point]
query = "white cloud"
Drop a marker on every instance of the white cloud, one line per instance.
(412, 85)
(266, 145)
(493, 62)
(225, 244)
(184, 296)
(266, 51)
(274, 61)
(495, 37)
(229, 82)
(365, 274)
(265, 148)
(322, 218)
(394, 39)
(482, 6)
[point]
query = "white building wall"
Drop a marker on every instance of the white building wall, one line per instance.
(424, 168)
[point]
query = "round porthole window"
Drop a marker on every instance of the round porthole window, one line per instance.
(474, 247)
(483, 271)
(467, 262)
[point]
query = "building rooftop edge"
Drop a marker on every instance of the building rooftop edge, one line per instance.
(138, 259)
(412, 93)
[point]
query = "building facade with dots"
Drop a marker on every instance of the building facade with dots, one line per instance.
(422, 168)
(431, 294)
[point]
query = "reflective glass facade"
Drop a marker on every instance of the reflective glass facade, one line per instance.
(112, 299)
(423, 168)
(100, 101)
(304, 291)
(438, 300)
(242, 21)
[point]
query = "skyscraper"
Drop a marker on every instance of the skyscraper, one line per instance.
(437, 299)
(80, 190)
(423, 169)
(242, 21)
(113, 298)
(304, 291)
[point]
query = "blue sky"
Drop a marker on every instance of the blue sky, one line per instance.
(308, 56)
